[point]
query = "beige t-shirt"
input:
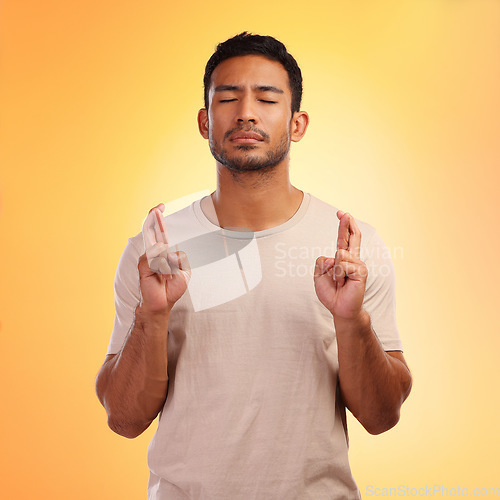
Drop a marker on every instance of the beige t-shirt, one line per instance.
(252, 410)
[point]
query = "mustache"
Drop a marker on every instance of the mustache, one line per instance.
(247, 129)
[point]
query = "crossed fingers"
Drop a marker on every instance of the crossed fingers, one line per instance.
(154, 233)
(349, 235)
(347, 263)
(153, 229)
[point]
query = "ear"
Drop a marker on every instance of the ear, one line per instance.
(299, 123)
(203, 122)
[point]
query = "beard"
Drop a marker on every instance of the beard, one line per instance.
(251, 162)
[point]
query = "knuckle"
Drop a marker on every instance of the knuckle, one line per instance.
(363, 269)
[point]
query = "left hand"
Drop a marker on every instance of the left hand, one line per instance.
(340, 282)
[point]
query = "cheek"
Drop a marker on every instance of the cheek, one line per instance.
(216, 134)
(281, 128)
(217, 127)
(280, 121)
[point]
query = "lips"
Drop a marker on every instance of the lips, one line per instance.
(246, 137)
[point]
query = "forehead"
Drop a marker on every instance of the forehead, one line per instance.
(250, 71)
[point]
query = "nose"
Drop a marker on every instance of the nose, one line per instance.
(246, 111)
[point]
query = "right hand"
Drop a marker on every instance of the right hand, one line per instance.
(161, 291)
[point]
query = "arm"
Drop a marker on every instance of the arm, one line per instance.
(373, 383)
(132, 384)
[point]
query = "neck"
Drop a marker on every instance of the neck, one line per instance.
(253, 200)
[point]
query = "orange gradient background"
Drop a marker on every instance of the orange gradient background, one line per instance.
(98, 124)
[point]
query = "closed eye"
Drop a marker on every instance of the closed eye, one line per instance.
(261, 100)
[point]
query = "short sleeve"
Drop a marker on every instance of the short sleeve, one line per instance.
(380, 293)
(127, 295)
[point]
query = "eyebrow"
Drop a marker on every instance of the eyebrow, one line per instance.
(260, 88)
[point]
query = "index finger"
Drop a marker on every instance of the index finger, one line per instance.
(160, 229)
(343, 231)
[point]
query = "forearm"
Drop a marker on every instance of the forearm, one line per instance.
(373, 383)
(132, 386)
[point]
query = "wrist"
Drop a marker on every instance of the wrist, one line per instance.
(147, 318)
(359, 322)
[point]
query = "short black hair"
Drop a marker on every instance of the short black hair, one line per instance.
(249, 44)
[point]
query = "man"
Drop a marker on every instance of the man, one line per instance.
(251, 370)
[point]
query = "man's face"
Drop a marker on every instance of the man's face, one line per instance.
(249, 116)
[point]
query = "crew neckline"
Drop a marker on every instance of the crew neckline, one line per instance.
(229, 233)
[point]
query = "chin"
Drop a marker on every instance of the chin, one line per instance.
(242, 160)
(250, 168)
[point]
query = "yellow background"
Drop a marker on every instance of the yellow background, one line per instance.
(98, 108)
